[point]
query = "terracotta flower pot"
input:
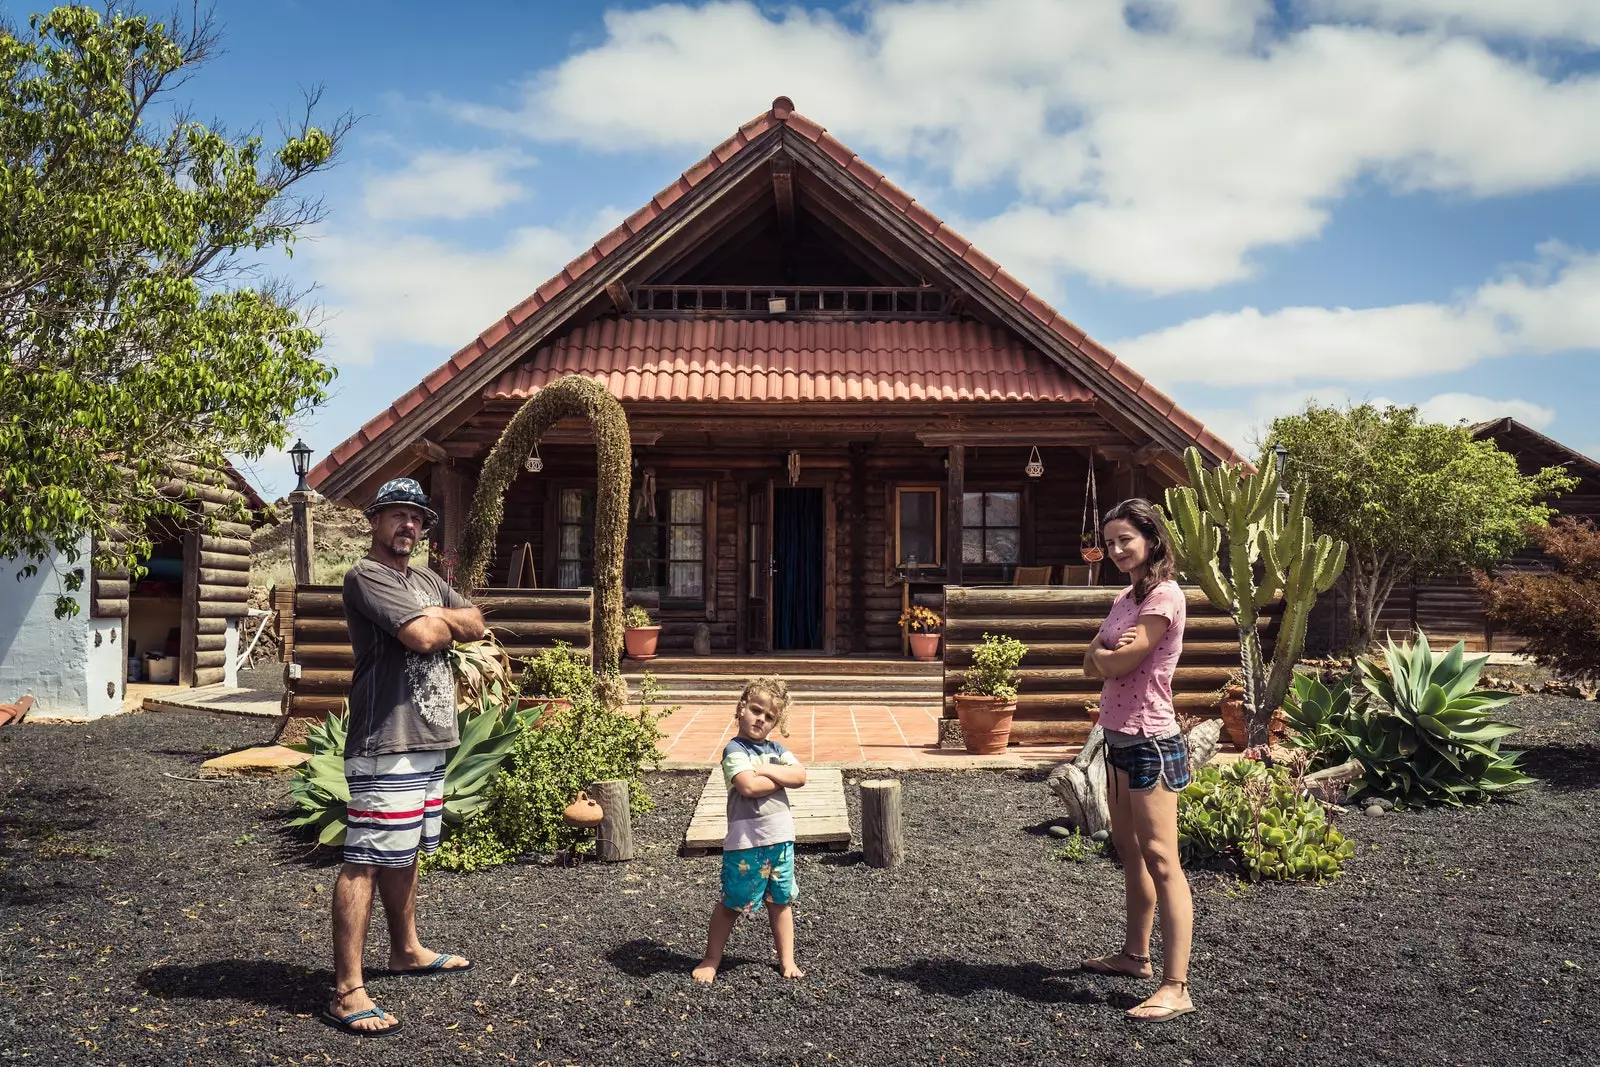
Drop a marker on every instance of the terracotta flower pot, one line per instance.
(1233, 720)
(924, 647)
(641, 641)
(985, 723)
(1094, 717)
(550, 704)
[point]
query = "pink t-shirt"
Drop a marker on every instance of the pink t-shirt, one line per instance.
(1140, 702)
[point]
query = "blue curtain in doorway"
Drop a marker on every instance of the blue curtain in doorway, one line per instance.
(799, 530)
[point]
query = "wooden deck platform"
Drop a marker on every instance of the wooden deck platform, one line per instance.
(820, 815)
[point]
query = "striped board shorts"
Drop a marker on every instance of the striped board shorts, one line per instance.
(396, 807)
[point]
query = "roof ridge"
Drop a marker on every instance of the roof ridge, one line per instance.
(781, 113)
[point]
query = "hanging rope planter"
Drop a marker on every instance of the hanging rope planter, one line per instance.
(1035, 467)
(1089, 540)
(534, 464)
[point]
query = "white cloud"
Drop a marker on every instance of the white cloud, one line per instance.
(1464, 407)
(1156, 152)
(1568, 19)
(447, 185)
(1552, 306)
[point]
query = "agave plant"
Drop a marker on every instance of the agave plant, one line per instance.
(483, 673)
(1424, 733)
(1318, 717)
(488, 733)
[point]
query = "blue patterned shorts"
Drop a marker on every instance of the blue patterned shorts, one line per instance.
(1164, 760)
(750, 875)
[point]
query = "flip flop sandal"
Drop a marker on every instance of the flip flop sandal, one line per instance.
(436, 967)
(347, 1022)
(1168, 1014)
(1100, 965)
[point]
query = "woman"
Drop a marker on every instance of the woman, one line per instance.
(1147, 758)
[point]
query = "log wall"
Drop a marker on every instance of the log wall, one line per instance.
(524, 621)
(1058, 624)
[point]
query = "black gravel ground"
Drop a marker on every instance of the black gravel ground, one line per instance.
(149, 920)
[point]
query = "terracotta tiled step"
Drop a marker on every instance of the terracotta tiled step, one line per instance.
(790, 667)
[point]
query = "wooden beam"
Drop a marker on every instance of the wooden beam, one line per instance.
(1018, 438)
(428, 450)
(620, 298)
(783, 193)
(954, 492)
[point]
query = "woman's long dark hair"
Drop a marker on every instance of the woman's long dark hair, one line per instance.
(1159, 565)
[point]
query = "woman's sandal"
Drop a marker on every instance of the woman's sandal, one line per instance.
(347, 1022)
(1102, 964)
(436, 967)
(1167, 1013)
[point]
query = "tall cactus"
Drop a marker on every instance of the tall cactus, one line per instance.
(1227, 509)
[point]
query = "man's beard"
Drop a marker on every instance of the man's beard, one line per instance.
(394, 546)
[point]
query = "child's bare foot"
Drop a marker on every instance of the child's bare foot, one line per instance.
(705, 974)
(791, 970)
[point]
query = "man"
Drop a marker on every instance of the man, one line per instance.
(402, 724)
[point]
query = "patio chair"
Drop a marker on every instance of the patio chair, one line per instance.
(1032, 575)
(1086, 574)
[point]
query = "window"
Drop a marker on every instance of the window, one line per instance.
(574, 538)
(917, 526)
(991, 527)
(667, 551)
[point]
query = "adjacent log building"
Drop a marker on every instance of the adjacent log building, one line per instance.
(838, 405)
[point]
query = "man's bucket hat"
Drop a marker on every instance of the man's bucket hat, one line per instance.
(398, 491)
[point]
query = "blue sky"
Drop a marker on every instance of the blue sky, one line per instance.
(1250, 202)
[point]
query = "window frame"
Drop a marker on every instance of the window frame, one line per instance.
(553, 559)
(985, 527)
(898, 559)
(707, 524)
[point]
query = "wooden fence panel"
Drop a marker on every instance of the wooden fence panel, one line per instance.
(317, 641)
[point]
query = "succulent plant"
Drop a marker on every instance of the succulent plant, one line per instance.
(1251, 814)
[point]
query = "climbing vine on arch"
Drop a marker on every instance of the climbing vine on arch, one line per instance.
(572, 395)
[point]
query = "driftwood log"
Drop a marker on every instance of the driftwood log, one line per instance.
(882, 841)
(1081, 782)
(616, 829)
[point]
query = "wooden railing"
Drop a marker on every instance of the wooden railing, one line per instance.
(852, 302)
(524, 621)
(1057, 623)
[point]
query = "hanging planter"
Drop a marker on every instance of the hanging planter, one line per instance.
(534, 464)
(1035, 467)
(1089, 537)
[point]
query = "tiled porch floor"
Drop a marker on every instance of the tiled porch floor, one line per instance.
(866, 735)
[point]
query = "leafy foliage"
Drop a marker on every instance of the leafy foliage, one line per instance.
(994, 668)
(561, 671)
(1411, 498)
(1557, 611)
(320, 792)
(921, 619)
(1421, 731)
(570, 749)
(483, 673)
(636, 617)
(1251, 815)
(130, 346)
(1270, 548)
(1077, 848)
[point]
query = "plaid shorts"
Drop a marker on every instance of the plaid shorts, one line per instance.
(396, 807)
(1162, 759)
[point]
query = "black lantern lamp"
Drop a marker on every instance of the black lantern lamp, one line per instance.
(301, 454)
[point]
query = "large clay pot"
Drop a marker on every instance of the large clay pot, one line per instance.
(985, 723)
(924, 647)
(550, 705)
(641, 641)
(1233, 720)
(583, 812)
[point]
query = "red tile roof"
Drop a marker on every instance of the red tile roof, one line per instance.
(742, 360)
(781, 114)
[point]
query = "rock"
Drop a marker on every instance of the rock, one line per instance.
(1374, 810)
(1060, 831)
(1100, 835)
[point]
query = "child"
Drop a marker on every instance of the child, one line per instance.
(758, 853)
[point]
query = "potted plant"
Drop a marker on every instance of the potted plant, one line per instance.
(1092, 709)
(554, 677)
(922, 626)
(987, 698)
(1231, 704)
(639, 634)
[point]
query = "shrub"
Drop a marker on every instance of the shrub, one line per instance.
(561, 671)
(1078, 848)
(1559, 611)
(920, 619)
(636, 617)
(1420, 730)
(994, 668)
(1251, 815)
(570, 749)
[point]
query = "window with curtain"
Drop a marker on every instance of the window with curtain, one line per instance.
(667, 551)
(916, 522)
(574, 538)
(991, 527)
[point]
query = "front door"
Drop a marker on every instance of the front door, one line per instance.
(799, 544)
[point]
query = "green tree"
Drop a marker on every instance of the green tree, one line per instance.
(139, 331)
(1412, 499)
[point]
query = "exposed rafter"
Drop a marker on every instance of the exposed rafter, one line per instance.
(783, 194)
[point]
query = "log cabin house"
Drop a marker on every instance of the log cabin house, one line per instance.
(838, 406)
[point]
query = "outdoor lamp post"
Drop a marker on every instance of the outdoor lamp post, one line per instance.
(300, 509)
(1279, 455)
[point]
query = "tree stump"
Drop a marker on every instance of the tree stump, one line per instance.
(616, 829)
(1081, 782)
(881, 839)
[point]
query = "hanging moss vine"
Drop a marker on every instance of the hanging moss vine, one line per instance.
(572, 395)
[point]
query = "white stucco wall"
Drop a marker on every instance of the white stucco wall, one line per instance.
(57, 661)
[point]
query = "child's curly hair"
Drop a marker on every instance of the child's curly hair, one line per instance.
(774, 687)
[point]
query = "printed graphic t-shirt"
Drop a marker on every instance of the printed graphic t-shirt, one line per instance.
(400, 700)
(1140, 702)
(755, 821)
